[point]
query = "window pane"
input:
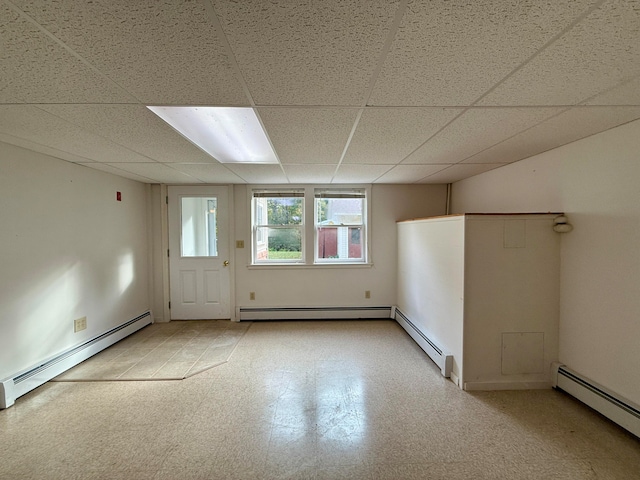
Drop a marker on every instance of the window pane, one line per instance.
(282, 244)
(284, 211)
(339, 211)
(344, 243)
(199, 234)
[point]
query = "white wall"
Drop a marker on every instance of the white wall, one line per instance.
(69, 250)
(335, 286)
(595, 181)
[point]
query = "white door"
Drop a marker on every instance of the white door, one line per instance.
(199, 253)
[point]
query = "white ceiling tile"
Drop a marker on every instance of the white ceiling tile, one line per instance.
(625, 94)
(134, 127)
(103, 167)
(307, 52)
(309, 173)
(37, 69)
(388, 135)
(448, 53)
(477, 130)
(359, 173)
(35, 125)
(458, 172)
(596, 55)
(162, 52)
(208, 172)
(258, 173)
(157, 172)
(571, 125)
(308, 135)
(409, 173)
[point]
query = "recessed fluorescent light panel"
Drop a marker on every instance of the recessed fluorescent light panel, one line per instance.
(229, 134)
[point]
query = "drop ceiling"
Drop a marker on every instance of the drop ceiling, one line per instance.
(349, 91)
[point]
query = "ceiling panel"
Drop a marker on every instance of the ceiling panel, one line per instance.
(450, 53)
(409, 173)
(35, 68)
(576, 123)
(162, 52)
(30, 123)
(388, 135)
(157, 172)
(134, 127)
(208, 172)
(259, 173)
(625, 94)
(596, 55)
(308, 135)
(309, 173)
(458, 172)
(359, 173)
(307, 52)
(103, 167)
(476, 130)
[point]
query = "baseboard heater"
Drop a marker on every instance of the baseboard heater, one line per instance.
(14, 387)
(313, 313)
(441, 359)
(615, 408)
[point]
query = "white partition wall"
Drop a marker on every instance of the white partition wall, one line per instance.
(485, 288)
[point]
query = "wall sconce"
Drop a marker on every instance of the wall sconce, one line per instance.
(561, 224)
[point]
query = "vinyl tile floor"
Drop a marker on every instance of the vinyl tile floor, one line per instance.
(310, 400)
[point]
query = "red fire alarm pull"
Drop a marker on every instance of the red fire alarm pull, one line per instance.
(119, 196)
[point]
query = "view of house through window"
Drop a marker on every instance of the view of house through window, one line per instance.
(339, 225)
(278, 226)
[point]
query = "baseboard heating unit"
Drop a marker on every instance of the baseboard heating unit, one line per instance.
(615, 408)
(23, 382)
(313, 313)
(441, 359)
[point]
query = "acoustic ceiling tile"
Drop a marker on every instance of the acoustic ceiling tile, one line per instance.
(477, 130)
(208, 172)
(409, 173)
(35, 68)
(596, 55)
(569, 126)
(258, 173)
(30, 123)
(161, 52)
(388, 135)
(134, 127)
(309, 173)
(103, 167)
(359, 173)
(157, 172)
(307, 52)
(624, 94)
(451, 53)
(458, 172)
(308, 135)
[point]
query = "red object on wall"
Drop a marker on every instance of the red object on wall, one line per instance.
(119, 196)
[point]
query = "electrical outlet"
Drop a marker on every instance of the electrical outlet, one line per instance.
(252, 295)
(79, 324)
(239, 243)
(367, 294)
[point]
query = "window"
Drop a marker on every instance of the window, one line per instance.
(278, 226)
(199, 235)
(340, 225)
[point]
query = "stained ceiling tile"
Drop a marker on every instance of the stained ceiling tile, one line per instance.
(594, 56)
(359, 173)
(477, 130)
(409, 173)
(307, 52)
(157, 172)
(208, 172)
(161, 52)
(134, 127)
(258, 173)
(458, 172)
(30, 123)
(308, 135)
(35, 68)
(388, 135)
(309, 173)
(450, 53)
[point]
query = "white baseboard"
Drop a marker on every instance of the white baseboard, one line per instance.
(480, 386)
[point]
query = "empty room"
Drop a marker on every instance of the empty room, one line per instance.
(319, 239)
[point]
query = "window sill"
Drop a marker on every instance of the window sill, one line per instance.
(312, 266)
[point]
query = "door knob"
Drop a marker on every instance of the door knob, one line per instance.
(225, 263)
